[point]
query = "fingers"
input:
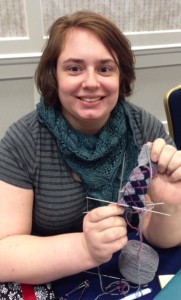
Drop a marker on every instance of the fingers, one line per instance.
(115, 245)
(113, 234)
(156, 149)
(109, 229)
(109, 237)
(105, 221)
(165, 155)
(105, 232)
(168, 158)
(104, 212)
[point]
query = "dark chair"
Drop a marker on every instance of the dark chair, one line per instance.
(172, 104)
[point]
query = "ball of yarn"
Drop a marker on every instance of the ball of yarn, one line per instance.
(138, 262)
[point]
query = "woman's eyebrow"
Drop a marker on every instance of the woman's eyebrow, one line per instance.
(77, 60)
(107, 61)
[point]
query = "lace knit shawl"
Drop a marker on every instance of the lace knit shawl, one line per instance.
(96, 159)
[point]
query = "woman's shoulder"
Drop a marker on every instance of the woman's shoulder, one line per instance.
(27, 124)
(138, 111)
(26, 130)
(25, 139)
(24, 125)
(146, 126)
(26, 146)
(142, 117)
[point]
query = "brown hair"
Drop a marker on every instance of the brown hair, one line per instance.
(110, 35)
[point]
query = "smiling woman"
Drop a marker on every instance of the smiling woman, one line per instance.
(87, 85)
(106, 33)
(82, 136)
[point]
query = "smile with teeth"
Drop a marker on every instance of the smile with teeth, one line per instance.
(86, 99)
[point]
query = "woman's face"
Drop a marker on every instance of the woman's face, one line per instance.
(88, 81)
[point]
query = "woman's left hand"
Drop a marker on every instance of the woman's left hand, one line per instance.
(166, 186)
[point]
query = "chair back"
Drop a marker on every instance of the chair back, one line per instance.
(172, 105)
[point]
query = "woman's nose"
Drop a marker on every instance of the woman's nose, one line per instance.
(91, 80)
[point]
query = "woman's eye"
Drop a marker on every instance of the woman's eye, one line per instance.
(105, 69)
(74, 69)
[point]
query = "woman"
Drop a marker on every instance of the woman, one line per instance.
(73, 146)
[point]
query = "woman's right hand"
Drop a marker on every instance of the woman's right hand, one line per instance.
(104, 232)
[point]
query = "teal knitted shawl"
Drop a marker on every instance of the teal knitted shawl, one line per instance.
(96, 159)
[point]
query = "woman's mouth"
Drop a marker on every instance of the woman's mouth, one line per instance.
(87, 99)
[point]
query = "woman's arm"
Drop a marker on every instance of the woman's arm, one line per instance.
(31, 259)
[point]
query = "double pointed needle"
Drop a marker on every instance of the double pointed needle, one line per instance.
(132, 207)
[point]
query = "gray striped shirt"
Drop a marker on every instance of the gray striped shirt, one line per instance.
(29, 158)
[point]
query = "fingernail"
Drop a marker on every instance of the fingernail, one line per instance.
(154, 158)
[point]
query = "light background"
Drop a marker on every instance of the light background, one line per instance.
(152, 26)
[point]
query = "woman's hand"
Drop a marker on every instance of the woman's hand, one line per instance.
(164, 231)
(104, 232)
(166, 186)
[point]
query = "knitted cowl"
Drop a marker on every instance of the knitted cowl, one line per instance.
(97, 159)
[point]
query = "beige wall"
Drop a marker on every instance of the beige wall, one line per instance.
(16, 99)
(152, 84)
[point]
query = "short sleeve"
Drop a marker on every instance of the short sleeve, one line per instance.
(17, 155)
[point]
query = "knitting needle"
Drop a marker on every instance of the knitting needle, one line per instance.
(93, 273)
(151, 203)
(129, 206)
